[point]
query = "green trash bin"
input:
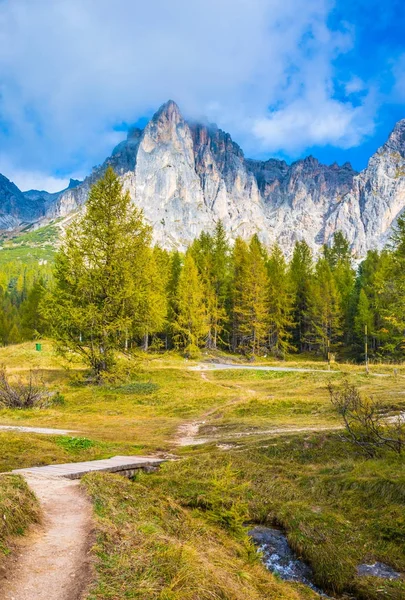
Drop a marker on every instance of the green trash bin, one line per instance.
(38, 347)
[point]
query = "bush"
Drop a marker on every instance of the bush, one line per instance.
(22, 394)
(366, 423)
(58, 399)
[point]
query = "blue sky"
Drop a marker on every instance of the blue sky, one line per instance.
(286, 78)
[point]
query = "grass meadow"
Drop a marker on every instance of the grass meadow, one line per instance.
(181, 533)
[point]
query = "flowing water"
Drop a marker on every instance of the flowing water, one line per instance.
(279, 558)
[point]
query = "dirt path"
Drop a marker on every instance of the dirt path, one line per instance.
(187, 434)
(40, 430)
(53, 562)
(239, 367)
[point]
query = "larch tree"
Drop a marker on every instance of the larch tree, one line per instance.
(174, 270)
(339, 258)
(151, 315)
(393, 291)
(363, 319)
(280, 303)
(190, 324)
(99, 278)
(211, 254)
(250, 299)
(325, 313)
(301, 274)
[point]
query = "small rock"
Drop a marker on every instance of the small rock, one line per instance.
(377, 569)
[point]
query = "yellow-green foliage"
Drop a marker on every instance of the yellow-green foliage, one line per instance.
(18, 509)
(150, 547)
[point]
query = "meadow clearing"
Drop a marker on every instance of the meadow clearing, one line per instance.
(271, 454)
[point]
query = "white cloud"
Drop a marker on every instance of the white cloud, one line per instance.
(319, 121)
(71, 69)
(34, 180)
(26, 179)
(355, 85)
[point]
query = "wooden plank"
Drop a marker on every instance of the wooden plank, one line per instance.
(116, 464)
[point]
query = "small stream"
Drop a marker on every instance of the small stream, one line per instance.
(279, 558)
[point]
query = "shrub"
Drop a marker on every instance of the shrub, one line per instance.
(58, 399)
(366, 423)
(22, 394)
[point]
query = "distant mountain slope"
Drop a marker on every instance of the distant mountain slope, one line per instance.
(186, 176)
(15, 207)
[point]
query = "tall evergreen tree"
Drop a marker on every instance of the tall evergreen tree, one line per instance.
(190, 325)
(324, 311)
(250, 297)
(280, 303)
(301, 273)
(99, 276)
(339, 259)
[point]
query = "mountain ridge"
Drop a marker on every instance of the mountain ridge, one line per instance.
(187, 175)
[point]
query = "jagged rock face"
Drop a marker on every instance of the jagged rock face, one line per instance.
(300, 198)
(15, 207)
(184, 177)
(187, 176)
(370, 209)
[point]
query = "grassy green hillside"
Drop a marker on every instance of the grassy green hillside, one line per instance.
(29, 247)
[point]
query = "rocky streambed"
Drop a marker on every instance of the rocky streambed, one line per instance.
(281, 560)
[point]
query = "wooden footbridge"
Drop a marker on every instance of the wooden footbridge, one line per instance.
(122, 465)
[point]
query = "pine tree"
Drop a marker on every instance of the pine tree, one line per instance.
(250, 297)
(340, 261)
(280, 303)
(190, 324)
(301, 274)
(211, 255)
(99, 276)
(325, 311)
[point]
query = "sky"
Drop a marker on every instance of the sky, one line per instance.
(286, 78)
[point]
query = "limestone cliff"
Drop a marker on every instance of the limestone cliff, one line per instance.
(186, 176)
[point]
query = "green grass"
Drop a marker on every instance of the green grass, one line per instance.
(18, 510)
(151, 547)
(44, 235)
(29, 248)
(337, 508)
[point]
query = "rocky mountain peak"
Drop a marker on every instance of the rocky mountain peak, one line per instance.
(73, 183)
(187, 176)
(169, 112)
(396, 140)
